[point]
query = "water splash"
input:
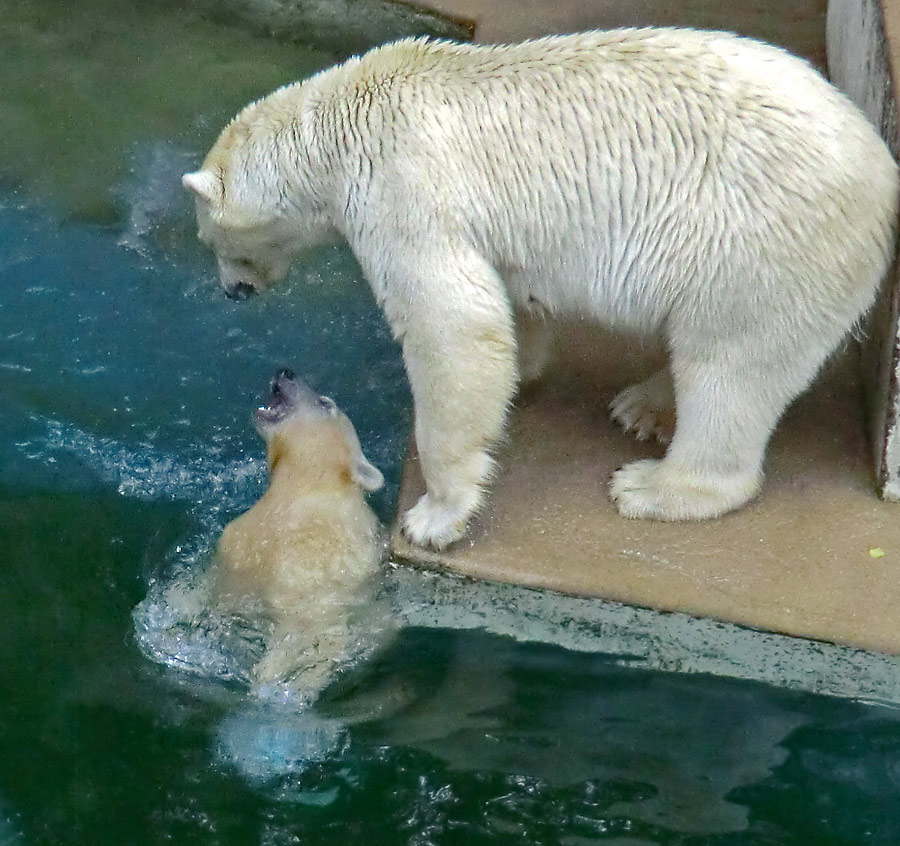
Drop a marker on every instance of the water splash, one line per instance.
(151, 194)
(266, 741)
(178, 625)
(274, 733)
(201, 476)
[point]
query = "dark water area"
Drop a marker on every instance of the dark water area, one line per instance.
(127, 385)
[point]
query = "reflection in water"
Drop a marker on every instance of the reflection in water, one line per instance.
(660, 750)
(472, 738)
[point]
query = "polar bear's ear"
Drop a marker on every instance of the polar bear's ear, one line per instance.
(204, 184)
(366, 474)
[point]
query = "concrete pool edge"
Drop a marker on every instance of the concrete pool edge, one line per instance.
(642, 637)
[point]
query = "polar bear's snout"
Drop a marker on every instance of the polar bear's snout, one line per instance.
(239, 279)
(243, 279)
(282, 389)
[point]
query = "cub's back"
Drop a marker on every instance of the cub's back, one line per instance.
(296, 550)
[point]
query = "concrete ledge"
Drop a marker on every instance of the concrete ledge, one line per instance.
(636, 637)
(798, 26)
(345, 26)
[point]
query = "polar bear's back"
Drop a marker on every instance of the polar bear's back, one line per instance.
(622, 161)
(599, 77)
(662, 50)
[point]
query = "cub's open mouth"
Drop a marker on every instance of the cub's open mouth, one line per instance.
(282, 392)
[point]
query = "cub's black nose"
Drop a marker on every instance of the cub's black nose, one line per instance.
(241, 291)
(285, 373)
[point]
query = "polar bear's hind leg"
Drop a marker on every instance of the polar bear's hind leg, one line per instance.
(728, 401)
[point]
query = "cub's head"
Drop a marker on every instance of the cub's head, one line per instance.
(311, 435)
(260, 194)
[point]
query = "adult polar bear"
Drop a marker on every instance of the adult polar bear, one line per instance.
(697, 185)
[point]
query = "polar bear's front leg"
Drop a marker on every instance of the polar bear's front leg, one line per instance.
(460, 355)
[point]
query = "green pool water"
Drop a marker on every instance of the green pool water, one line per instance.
(127, 383)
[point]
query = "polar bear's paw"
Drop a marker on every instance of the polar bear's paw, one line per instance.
(433, 525)
(654, 490)
(647, 408)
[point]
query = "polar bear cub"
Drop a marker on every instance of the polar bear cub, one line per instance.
(310, 549)
(704, 188)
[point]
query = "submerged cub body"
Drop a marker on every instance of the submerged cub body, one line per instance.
(309, 551)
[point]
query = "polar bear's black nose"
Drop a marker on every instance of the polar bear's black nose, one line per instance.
(241, 291)
(282, 377)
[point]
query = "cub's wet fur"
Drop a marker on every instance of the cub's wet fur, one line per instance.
(308, 554)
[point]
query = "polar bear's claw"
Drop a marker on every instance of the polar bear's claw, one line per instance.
(434, 526)
(647, 409)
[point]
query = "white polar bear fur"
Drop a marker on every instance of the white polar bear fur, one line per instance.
(709, 189)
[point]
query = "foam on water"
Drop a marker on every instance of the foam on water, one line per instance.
(143, 471)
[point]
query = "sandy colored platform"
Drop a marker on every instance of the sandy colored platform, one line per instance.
(796, 561)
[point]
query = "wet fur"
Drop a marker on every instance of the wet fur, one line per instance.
(309, 550)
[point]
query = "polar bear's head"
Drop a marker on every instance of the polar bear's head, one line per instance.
(259, 195)
(251, 256)
(303, 427)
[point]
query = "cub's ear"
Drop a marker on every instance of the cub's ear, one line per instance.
(204, 184)
(362, 471)
(366, 474)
